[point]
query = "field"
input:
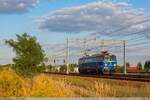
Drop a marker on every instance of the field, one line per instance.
(48, 85)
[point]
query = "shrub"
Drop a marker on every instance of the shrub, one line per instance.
(118, 69)
(63, 68)
(50, 68)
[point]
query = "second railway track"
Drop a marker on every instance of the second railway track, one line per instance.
(128, 77)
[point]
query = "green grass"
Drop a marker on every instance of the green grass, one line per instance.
(138, 71)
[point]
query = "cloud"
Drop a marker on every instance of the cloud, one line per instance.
(94, 17)
(101, 18)
(16, 6)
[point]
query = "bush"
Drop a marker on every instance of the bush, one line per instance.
(63, 68)
(50, 68)
(11, 85)
(118, 69)
(71, 67)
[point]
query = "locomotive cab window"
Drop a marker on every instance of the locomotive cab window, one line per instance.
(107, 58)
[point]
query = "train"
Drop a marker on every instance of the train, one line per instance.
(98, 63)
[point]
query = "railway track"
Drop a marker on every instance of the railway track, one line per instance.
(128, 77)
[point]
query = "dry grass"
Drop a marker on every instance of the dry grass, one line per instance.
(85, 86)
(45, 85)
(11, 84)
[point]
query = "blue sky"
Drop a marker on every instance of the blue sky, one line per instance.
(12, 24)
(19, 23)
(24, 18)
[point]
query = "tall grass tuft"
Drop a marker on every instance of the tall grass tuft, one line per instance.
(104, 89)
(44, 85)
(11, 85)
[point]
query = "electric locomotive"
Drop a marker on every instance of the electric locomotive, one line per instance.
(98, 63)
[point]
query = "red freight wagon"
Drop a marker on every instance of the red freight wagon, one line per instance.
(132, 68)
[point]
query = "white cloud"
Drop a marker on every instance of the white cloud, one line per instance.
(16, 6)
(122, 4)
(102, 18)
(97, 16)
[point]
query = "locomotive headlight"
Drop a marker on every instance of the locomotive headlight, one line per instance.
(115, 64)
(105, 64)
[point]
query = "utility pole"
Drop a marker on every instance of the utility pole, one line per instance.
(102, 47)
(84, 46)
(67, 56)
(124, 45)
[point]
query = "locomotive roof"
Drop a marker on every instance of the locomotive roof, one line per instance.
(99, 54)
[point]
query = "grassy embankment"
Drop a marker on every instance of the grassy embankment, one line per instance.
(57, 86)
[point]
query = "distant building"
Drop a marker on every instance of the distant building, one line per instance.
(132, 68)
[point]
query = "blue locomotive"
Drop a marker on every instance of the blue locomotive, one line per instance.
(98, 63)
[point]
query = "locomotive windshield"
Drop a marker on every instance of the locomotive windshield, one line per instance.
(107, 58)
(110, 58)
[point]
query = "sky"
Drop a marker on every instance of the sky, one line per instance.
(51, 21)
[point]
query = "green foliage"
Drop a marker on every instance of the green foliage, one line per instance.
(29, 54)
(147, 65)
(127, 64)
(63, 68)
(50, 68)
(122, 69)
(138, 71)
(71, 67)
(139, 65)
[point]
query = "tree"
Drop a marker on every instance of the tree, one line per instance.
(147, 65)
(139, 65)
(127, 64)
(29, 54)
